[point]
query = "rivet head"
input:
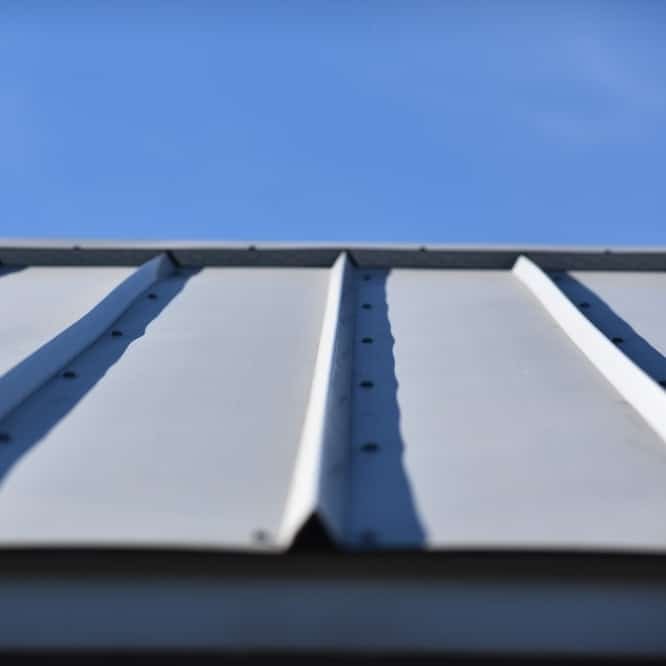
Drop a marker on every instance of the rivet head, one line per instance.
(617, 340)
(5, 438)
(366, 383)
(260, 536)
(69, 374)
(366, 306)
(116, 333)
(370, 447)
(367, 340)
(152, 295)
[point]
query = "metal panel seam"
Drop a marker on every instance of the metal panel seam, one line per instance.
(26, 377)
(635, 386)
(320, 467)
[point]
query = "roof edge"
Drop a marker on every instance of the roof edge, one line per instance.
(200, 254)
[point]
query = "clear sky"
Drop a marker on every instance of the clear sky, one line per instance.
(480, 122)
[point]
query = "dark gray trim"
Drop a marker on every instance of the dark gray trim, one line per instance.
(324, 256)
(504, 259)
(561, 565)
(573, 605)
(45, 256)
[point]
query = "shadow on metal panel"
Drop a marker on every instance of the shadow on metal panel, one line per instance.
(382, 510)
(633, 345)
(313, 536)
(31, 421)
(8, 270)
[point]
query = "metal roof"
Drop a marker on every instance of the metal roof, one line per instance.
(420, 398)
(446, 449)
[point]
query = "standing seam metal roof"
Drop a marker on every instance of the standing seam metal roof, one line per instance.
(256, 398)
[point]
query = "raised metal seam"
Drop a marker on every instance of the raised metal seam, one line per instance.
(636, 387)
(317, 486)
(26, 377)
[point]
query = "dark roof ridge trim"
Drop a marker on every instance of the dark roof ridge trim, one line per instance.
(433, 257)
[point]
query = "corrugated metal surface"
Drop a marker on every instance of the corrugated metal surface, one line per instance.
(433, 407)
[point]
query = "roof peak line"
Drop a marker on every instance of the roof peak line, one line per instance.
(98, 253)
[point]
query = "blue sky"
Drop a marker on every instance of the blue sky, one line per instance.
(479, 122)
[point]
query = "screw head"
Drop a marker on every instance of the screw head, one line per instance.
(260, 536)
(584, 305)
(152, 295)
(366, 306)
(367, 340)
(370, 447)
(366, 383)
(116, 333)
(69, 374)
(617, 340)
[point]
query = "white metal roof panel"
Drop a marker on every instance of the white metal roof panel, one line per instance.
(630, 305)
(248, 406)
(38, 303)
(183, 430)
(492, 429)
